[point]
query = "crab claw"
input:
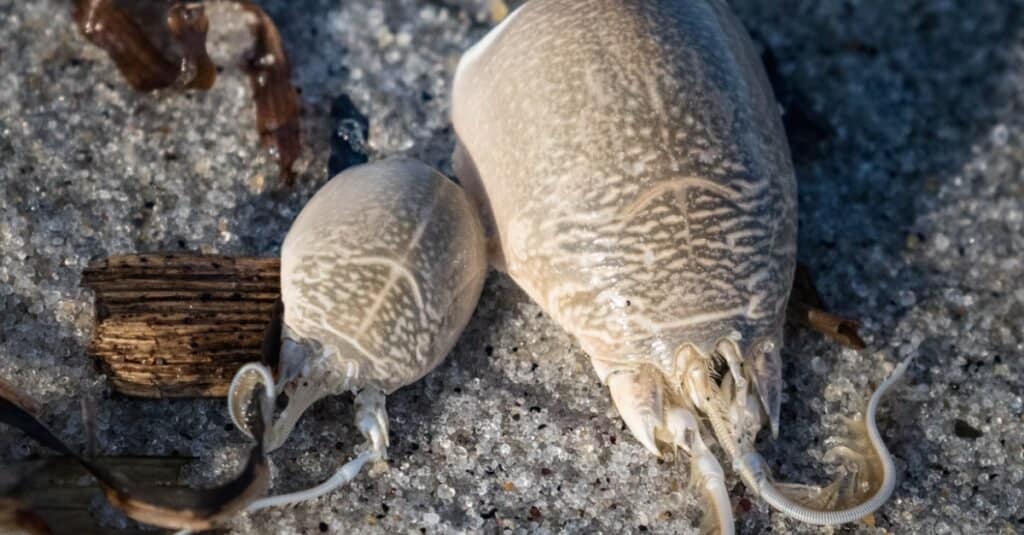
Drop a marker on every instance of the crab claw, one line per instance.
(735, 398)
(706, 473)
(765, 365)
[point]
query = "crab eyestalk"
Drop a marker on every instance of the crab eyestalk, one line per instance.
(834, 504)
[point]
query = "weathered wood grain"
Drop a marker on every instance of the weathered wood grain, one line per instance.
(179, 325)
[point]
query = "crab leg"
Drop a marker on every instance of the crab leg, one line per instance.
(705, 472)
(371, 418)
(638, 395)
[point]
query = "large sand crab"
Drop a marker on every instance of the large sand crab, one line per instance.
(632, 169)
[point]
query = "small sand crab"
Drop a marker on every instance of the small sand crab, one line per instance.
(634, 176)
(380, 273)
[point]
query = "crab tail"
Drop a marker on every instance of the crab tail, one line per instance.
(860, 492)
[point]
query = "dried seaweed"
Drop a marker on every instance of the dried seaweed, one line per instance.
(146, 67)
(142, 63)
(277, 101)
(806, 309)
(189, 25)
(172, 508)
(16, 517)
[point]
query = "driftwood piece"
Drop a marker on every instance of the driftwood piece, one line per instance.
(180, 325)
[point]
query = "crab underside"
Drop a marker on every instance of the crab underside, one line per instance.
(716, 395)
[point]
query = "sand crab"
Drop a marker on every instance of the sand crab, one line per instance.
(380, 273)
(635, 180)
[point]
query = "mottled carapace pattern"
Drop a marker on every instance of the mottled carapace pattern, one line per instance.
(638, 174)
(382, 269)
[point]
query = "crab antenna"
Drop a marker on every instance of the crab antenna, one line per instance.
(801, 512)
(752, 467)
(343, 476)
